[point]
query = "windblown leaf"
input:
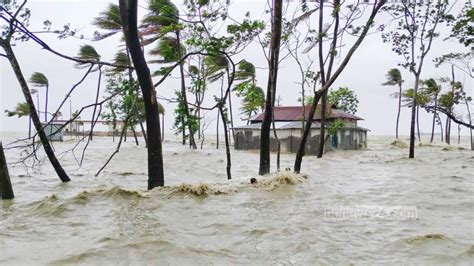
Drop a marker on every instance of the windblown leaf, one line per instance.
(39, 80)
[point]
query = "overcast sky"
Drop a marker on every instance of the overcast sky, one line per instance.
(364, 74)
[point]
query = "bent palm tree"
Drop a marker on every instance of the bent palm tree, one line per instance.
(32, 111)
(39, 80)
(394, 78)
(421, 99)
(21, 109)
(433, 89)
(88, 52)
(162, 25)
(108, 20)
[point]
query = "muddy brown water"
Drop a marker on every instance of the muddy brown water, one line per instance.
(199, 218)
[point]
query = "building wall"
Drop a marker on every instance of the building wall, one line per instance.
(347, 139)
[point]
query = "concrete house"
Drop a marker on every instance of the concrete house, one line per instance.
(288, 124)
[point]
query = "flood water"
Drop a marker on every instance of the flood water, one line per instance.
(112, 220)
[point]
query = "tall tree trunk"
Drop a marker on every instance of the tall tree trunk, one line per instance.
(459, 134)
(226, 137)
(128, 14)
(323, 125)
(441, 128)
(95, 106)
(411, 153)
(33, 114)
(418, 123)
(470, 122)
(231, 113)
(450, 110)
(29, 127)
(130, 80)
(447, 128)
(162, 127)
(217, 130)
(6, 190)
(231, 116)
(328, 83)
(434, 118)
(278, 143)
(192, 142)
(46, 104)
(218, 114)
(135, 135)
(323, 76)
(304, 138)
(264, 166)
(183, 135)
(399, 108)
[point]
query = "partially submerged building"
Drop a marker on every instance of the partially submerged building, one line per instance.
(289, 128)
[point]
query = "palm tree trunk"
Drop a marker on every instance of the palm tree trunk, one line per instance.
(411, 153)
(441, 131)
(192, 143)
(399, 108)
(470, 122)
(264, 166)
(447, 131)
(434, 117)
(29, 127)
(46, 104)
(217, 130)
(227, 148)
(418, 123)
(128, 14)
(135, 135)
(33, 114)
(459, 134)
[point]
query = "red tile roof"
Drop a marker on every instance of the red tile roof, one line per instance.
(295, 113)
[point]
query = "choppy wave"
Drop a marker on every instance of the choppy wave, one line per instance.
(201, 218)
(110, 192)
(399, 144)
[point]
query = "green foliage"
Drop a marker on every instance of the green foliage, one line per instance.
(394, 77)
(163, 14)
(336, 126)
(416, 24)
(21, 109)
(430, 86)
(451, 98)
(253, 97)
(88, 52)
(108, 20)
(344, 99)
(39, 80)
(215, 66)
(168, 49)
(127, 102)
(463, 28)
(422, 98)
(308, 100)
(246, 70)
(181, 121)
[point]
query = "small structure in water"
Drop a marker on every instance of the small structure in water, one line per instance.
(54, 131)
(289, 127)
